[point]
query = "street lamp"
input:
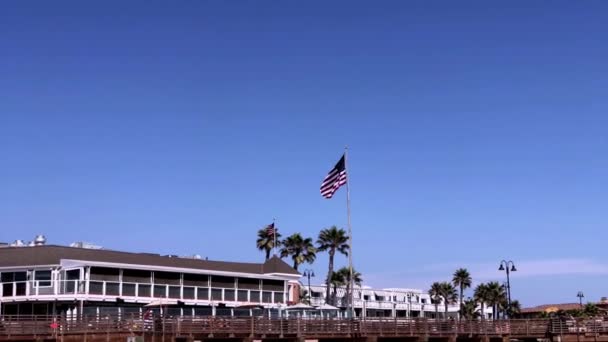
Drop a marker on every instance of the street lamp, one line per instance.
(308, 273)
(508, 266)
(580, 296)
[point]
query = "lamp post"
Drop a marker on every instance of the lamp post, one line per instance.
(580, 296)
(308, 273)
(508, 266)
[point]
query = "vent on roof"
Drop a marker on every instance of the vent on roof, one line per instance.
(194, 256)
(85, 245)
(39, 240)
(18, 243)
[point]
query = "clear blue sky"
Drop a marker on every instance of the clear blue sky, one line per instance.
(478, 131)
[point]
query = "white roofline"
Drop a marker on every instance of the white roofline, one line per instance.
(273, 276)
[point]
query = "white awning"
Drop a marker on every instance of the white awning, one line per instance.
(327, 307)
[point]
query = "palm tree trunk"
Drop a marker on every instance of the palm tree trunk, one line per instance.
(346, 300)
(329, 274)
(483, 315)
(445, 315)
(436, 310)
(267, 253)
(295, 265)
(460, 306)
(335, 295)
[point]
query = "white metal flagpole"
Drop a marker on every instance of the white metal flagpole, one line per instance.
(350, 237)
(274, 235)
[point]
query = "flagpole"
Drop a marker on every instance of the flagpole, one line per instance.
(274, 235)
(350, 237)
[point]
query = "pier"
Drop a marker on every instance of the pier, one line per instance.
(247, 329)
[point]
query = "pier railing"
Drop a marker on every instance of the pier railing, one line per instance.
(215, 326)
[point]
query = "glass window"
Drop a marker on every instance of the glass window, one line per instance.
(196, 279)
(229, 295)
(167, 278)
(248, 283)
(104, 273)
(278, 297)
(174, 292)
(188, 292)
(136, 276)
(266, 297)
(96, 287)
(112, 289)
(216, 294)
(42, 278)
(242, 296)
(143, 290)
(128, 290)
(202, 293)
(223, 282)
(254, 296)
(273, 285)
(202, 311)
(160, 291)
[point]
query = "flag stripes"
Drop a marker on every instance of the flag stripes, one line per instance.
(270, 230)
(334, 179)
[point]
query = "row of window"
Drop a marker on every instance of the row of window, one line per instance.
(185, 292)
(43, 278)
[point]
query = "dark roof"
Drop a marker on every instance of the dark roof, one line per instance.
(52, 255)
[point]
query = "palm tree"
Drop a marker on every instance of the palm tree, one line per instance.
(448, 294)
(331, 240)
(590, 309)
(266, 240)
(514, 309)
(481, 296)
(462, 280)
(469, 309)
(337, 279)
(435, 293)
(300, 249)
(496, 297)
(357, 280)
(304, 296)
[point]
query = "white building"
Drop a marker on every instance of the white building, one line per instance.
(389, 302)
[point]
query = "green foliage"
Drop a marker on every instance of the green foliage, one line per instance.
(469, 310)
(331, 240)
(300, 249)
(265, 241)
(462, 280)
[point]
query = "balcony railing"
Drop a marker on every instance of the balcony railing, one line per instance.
(385, 305)
(139, 291)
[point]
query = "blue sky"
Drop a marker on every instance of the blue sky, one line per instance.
(477, 132)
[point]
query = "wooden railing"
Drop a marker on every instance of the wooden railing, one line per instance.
(54, 326)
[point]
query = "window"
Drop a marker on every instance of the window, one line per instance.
(174, 292)
(267, 297)
(188, 292)
(128, 290)
(216, 294)
(242, 296)
(278, 297)
(42, 278)
(254, 296)
(202, 293)
(229, 295)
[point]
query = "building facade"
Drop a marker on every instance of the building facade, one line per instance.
(390, 302)
(47, 279)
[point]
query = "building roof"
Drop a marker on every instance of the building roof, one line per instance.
(552, 308)
(52, 255)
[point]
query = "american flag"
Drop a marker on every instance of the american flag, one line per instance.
(270, 230)
(334, 179)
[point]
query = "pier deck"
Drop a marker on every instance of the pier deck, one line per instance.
(39, 328)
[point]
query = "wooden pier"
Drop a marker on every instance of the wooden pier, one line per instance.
(245, 329)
